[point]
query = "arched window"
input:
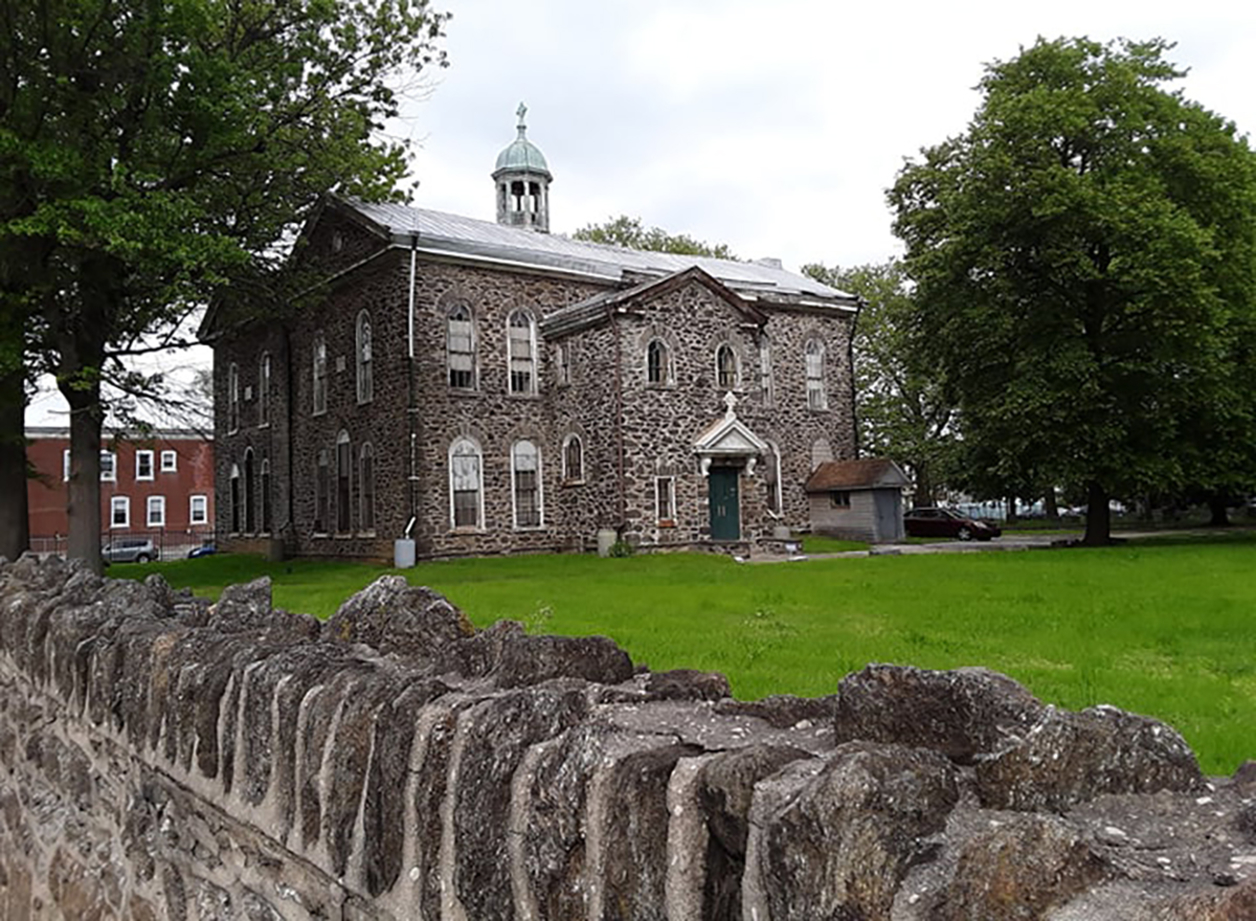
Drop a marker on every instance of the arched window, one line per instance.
(525, 475)
(320, 375)
(816, 398)
(460, 347)
(657, 370)
(344, 463)
(265, 488)
(250, 516)
(322, 492)
(466, 493)
(366, 384)
(726, 368)
(521, 349)
(573, 459)
(366, 487)
(233, 397)
(765, 370)
(235, 499)
(263, 390)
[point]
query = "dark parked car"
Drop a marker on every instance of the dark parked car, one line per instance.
(946, 522)
(129, 550)
(205, 550)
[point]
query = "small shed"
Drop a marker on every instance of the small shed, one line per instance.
(858, 499)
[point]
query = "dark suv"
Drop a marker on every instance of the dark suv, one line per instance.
(129, 550)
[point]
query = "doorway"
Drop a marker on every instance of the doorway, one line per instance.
(725, 503)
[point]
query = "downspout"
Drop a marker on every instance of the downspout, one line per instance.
(860, 304)
(412, 408)
(619, 426)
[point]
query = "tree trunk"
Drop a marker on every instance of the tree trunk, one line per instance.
(1011, 510)
(83, 498)
(15, 535)
(1098, 517)
(1050, 508)
(1220, 514)
(924, 486)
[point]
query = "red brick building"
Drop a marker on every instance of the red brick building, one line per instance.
(159, 486)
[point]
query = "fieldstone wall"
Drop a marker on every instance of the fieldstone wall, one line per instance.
(162, 757)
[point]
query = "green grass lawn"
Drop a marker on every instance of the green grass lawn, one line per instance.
(1163, 628)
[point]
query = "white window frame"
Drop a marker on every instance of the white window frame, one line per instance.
(665, 499)
(365, 375)
(515, 471)
(65, 466)
(817, 398)
(569, 475)
(263, 390)
(119, 504)
(466, 448)
(155, 504)
(140, 457)
(516, 342)
(765, 370)
(318, 400)
(169, 461)
(203, 502)
(108, 467)
(460, 313)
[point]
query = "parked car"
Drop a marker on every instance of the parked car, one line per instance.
(129, 550)
(946, 522)
(206, 550)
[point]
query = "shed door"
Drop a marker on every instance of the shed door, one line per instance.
(889, 515)
(725, 509)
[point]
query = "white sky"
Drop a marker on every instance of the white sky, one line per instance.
(774, 128)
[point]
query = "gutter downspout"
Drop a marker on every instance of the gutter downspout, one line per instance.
(619, 425)
(412, 409)
(860, 304)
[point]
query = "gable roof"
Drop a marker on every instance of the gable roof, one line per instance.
(866, 473)
(597, 309)
(455, 236)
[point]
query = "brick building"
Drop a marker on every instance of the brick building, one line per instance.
(159, 486)
(491, 388)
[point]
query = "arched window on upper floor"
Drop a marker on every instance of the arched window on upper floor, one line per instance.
(573, 459)
(233, 397)
(726, 371)
(816, 397)
(460, 347)
(658, 364)
(521, 352)
(263, 390)
(366, 377)
(319, 402)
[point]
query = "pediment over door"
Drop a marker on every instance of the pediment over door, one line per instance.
(729, 438)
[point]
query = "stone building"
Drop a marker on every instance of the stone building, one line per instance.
(490, 388)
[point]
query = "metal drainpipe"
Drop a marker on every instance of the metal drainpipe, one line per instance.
(619, 425)
(412, 404)
(860, 304)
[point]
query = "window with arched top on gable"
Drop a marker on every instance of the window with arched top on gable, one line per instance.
(233, 397)
(366, 379)
(320, 376)
(466, 502)
(525, 473)
(263, 390)
(521, 352)
(460, 347)
(816, 397)
(657, 363)
(726, 377)
(573, 459)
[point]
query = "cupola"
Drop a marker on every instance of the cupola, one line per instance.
(522, 178)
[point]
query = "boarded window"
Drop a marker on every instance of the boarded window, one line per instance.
(526, 473)
(464, 484)
(521, 345)
(460, 348)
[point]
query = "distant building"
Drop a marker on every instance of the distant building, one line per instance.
(159, 486)
(492, 388)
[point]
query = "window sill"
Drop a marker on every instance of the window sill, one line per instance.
(666, 523)
(523, 396)
(466, 531)
(577, 482)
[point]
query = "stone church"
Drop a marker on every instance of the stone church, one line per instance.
(485, 387)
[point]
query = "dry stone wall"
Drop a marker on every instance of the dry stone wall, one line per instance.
(164, 757)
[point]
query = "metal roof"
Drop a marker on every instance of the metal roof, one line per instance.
(455, 235)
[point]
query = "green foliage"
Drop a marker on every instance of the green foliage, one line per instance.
(1161, 630)
(621, 549)
(900, 403)
(629, 233)
(1084, 257)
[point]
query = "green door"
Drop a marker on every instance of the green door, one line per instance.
(725, 511)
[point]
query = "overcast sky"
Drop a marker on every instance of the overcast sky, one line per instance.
(773, 128)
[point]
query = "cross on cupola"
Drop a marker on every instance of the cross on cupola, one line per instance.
(522, 178)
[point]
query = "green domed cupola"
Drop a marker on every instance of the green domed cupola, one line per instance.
(522, 178)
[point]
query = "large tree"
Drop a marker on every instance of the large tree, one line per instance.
(899, 403)
(630, 233)
(151, 152)
(1084, 262)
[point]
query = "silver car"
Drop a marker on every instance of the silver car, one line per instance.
(129, 550)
